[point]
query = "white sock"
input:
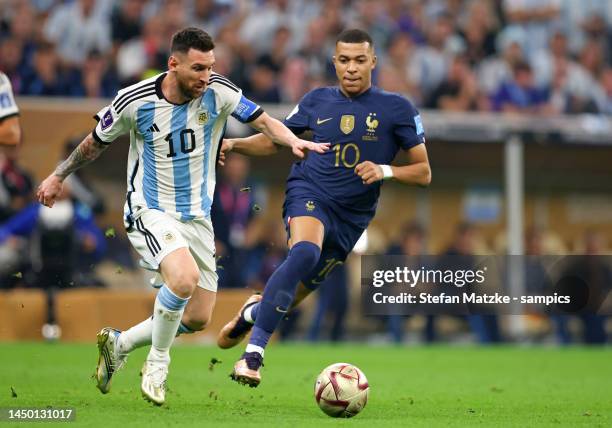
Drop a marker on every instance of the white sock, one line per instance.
(167, 314)
(247, 315)
(136, 336)
(139, 335)
(255, 348)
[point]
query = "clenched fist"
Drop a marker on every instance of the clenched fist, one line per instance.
(369, 172)
(49, 190)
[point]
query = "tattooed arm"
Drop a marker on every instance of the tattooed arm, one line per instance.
(51, 188)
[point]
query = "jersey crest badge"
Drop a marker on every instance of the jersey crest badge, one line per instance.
(310, 206)
(372, 124)
(347, 123)
(202, 117)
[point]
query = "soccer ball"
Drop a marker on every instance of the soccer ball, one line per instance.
(341, 390)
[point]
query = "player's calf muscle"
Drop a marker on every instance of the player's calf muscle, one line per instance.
(198, 312)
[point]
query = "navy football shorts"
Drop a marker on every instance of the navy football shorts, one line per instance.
(340, 235)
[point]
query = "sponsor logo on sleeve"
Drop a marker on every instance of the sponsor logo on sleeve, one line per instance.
(419, 124)
(5, 100)
(107, 120)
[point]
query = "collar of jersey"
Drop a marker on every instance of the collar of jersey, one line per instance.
(366, 92)
(160, 93)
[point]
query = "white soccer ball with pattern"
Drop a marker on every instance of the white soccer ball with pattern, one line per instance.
(341, 390)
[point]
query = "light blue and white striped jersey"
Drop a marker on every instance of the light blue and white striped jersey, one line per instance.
(173, 148)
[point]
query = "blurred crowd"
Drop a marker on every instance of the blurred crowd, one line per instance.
(532, 56)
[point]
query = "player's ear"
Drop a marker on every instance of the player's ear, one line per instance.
(172, 62)
(334, 60)
(374, 61)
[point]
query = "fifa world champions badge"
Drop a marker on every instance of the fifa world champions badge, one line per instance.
(107, 119)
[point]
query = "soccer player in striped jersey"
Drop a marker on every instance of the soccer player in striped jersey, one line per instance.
(176, 121)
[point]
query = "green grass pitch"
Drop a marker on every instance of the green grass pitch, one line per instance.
(410, 386)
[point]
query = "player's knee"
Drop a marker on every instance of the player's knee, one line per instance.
(196, 322)
(306, 254)
(183, 284)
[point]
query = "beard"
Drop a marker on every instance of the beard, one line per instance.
(187, 91)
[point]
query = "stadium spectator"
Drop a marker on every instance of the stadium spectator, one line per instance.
(77, 28)
(94, 79)
(370, 16)
(11, 60)
(604, 100)
(294, 81)
(233, 211)
(174, 12)
(556, 61)
(460, 255)
(408, 20)
(459, 90)
(144, 55)
(317, 50)
(592, 57)
(23, 29)
(279, 50)
(263, 81)
(210, 14)
(536, 18)
(429, 64)
(412, 244)
(572, 95)
(595, 273)
(575, 16)
(126, 21)
(493, 71)
(394, 73)
(520, 95)
(266, 254)
(240, 53)
(479, 30)
(262, 21)
(46, 78)
(332, 306)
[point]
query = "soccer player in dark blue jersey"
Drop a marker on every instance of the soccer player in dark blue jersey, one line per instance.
(331, 197)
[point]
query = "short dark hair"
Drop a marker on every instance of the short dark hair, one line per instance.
(354, 35)
(191, 38)
(522, 66)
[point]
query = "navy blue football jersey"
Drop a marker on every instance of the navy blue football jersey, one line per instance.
(370, 127)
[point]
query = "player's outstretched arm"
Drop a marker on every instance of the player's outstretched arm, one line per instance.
(86, 152)
(255, 145)
(417, 172)
(278, 133)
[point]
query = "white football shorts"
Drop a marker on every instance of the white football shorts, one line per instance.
(156, 234)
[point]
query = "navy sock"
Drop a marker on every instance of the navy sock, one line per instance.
(280, 290)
